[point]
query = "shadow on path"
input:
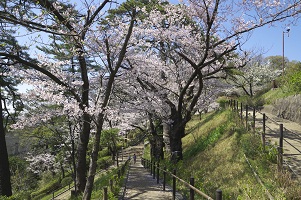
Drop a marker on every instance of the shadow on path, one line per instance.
(141, 185)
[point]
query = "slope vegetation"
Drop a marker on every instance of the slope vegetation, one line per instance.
(220, 154)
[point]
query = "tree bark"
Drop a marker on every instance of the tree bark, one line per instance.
(166, 140)
(81, 167)
(5, 183)
(176, 145)
(93, 163)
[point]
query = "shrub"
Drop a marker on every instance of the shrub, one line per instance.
(104, 152)
(24, 195)
(66, 181)
(271, 154)
(251, 145)
(47, 189)
(104, 162)
(222, 102)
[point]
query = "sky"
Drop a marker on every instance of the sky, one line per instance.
(270, 40)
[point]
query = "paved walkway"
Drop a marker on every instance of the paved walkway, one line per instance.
(141, 185)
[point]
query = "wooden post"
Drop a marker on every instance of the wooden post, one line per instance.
(154, 170)
(280, 149)
(247, 112)
(254, 118)
(117, 159)
(174, 180)
(164, 178)
(219, 194)
(241, 110)
(158, 175)
(105, 193)
(281, 136)
(263, 131)
(280, 159)
(191, 190)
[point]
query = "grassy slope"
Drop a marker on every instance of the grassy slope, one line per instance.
(214, 155)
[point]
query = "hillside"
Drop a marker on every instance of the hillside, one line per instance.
(220, 154)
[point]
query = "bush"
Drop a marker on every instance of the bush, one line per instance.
(251, 145)
(66, 181)
(104, 162)
(24, 195)
(271, 154)
(104, 152)
(47, 189)
(222, 102)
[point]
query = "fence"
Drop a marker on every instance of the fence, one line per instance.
(251, 123)
(120, 172)
(155, 171)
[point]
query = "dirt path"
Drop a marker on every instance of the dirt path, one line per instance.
(141, 185)
(292, 138)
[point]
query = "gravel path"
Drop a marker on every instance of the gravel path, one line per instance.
(141, 185)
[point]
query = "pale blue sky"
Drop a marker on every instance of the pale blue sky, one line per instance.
(270, 39)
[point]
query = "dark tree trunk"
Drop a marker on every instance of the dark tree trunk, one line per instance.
(160, 145)
(153, 148)
(81, 167)
(94, 156)
(176, 145)
(5, 184)
(177, 132)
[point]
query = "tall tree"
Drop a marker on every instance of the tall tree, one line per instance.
(5, 184)
(10, 104)
(204, 40)
(57, 18)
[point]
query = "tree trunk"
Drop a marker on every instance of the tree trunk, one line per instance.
(176, 148)
(5, 184)
(93, 160)
(159, 142)
(177, 132)
(81, 167)
(166, 134)
(154, 150)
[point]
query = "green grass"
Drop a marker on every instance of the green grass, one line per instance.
(275, 94)
(47, 197)
(214, 153)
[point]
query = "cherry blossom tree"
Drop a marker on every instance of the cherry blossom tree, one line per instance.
(53, 83)
(254, 75)
(200, 40)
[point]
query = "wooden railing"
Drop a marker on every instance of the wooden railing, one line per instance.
(156, 171)
(250, 123)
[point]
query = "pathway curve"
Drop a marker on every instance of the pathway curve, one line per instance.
(141, 185)
(292, 138)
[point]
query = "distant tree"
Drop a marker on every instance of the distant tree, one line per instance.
(292, 77)
(110, 139)
(257, 73)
